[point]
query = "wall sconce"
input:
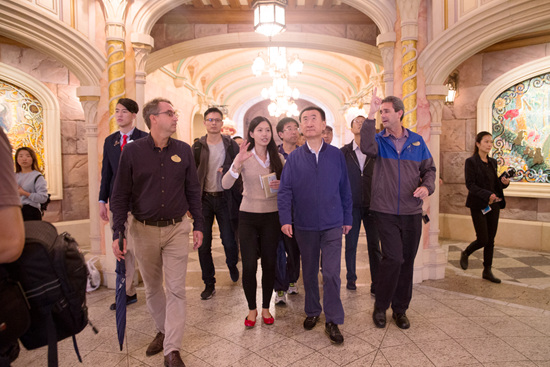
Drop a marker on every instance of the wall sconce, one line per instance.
(452, 84)
(269, 16)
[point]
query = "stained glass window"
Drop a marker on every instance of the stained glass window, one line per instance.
(22, 119)
(521, 129)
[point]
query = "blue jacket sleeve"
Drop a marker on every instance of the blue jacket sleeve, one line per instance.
(345, 192)
(106, 176)
(284, 196)
(369, 146)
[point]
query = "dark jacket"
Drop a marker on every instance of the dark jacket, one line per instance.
(478, 183)
(360, 182)
(201, 153)
(111, 157)
(318, 194)
(397, 175)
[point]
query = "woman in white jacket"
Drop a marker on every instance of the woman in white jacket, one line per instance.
(31, 184)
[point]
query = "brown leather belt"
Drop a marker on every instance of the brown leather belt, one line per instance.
(214, 194)
(160, 223)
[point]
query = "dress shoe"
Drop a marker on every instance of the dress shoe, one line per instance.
(401, 320)
(464, 260)
(129, 301)
(331, 329)
(488, 274)
(234, 273)
(156, 346)
(379, 318)
(351, 285)
(173, 359)
(310, 322)
(209, 291)
(249, 324)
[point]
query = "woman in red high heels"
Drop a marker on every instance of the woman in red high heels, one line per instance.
(259, 227)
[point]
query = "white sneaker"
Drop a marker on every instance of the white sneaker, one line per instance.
(292, 288)
(280, 298)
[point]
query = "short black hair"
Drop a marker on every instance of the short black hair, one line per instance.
(212, 109)
(328, 128)
(130, 104)
(281, 124)
(313, 108)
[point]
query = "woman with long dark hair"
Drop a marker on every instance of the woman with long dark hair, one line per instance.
(31, 183)
(259, 228)
(485, 199)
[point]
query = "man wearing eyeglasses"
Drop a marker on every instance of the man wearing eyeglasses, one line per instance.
(214, 154)
(157, 180)
(288, 253)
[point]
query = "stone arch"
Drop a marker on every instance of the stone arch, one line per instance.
(485, 28)
(382, 13)
(52, 130)
(27, 25)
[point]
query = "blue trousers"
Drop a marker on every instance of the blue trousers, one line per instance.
(288, 263)
(312, 244)
(216, 206)
(373, 245)
(400, 237)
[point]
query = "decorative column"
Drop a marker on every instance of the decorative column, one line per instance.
(143, 44)
(434, 256)
(386, 44)
(408, 11)
(114, 29)
(89, 98)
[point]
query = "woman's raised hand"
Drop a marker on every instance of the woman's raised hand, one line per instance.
(243, 155)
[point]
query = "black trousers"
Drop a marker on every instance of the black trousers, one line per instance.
(486, 226)
(30, 213)
(259, 236)
(399, 237)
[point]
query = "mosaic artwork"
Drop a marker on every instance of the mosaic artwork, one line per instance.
(521, 129)
(22, 119)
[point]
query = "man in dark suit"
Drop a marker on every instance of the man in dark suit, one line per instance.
(125, 114)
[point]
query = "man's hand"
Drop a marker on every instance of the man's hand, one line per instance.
(116, 250)
(103, 214)
(375, 104)
(421, 192)
(505, 180)
(346, 229)
(197, 239)
(287, 229)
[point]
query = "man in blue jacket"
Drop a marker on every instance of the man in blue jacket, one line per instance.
(404, 175)
(315, 189)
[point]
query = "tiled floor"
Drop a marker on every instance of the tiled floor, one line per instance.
(461, 320)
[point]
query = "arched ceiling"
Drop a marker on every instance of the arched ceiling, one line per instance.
(339, 65)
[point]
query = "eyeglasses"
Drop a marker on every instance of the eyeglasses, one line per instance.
(168, 113)
(217, 121)
(291, 129)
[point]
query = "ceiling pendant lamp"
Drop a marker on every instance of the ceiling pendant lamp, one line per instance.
(269, 16)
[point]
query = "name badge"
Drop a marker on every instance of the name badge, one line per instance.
(176, 158)
(416, 143)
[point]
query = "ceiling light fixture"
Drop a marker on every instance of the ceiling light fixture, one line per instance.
(269, 16)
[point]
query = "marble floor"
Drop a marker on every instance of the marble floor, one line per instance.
(461, 320)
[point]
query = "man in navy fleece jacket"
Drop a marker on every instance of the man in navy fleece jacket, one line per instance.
(315, 186)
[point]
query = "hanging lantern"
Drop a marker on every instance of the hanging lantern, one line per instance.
(269, 16)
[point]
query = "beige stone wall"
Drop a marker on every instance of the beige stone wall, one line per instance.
(74, 149)
(459, 130)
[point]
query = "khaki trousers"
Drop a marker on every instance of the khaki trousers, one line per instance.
(164, 250)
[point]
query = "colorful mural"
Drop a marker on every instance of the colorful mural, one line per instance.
(22, 119)
(521, 129)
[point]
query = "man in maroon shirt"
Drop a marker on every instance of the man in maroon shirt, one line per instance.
(157, 180)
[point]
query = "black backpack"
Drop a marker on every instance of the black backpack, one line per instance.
(53, 274)
(43, 206)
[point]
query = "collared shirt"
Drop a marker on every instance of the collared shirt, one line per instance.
(158, 184)
(361, 157)
(398, 142)
(262, 164)
(314, 152)
(128, 134)
(282, 151)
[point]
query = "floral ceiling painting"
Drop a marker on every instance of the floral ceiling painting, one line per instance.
(521, 129)
(21, 117)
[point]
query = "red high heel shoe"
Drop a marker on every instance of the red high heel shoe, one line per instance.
(268, 320)
(248, 323)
